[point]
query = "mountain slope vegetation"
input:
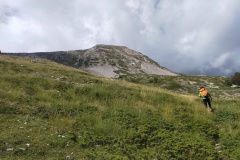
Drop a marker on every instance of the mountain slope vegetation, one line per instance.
(50, 111)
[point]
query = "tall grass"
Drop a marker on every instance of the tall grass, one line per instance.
(227, 118)
(49, 111)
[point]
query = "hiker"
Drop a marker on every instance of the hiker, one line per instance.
(206, 97)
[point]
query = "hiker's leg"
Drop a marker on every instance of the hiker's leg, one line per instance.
(205, 102)
(209, 103)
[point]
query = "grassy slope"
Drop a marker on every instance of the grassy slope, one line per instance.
(49, 111)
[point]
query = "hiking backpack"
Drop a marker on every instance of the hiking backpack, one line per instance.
(204, 93)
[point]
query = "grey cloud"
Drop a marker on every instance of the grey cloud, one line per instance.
(185, 36)
(6, 13)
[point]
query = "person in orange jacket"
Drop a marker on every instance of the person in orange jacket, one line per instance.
(206, 97)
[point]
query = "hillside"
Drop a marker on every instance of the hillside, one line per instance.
(104, 60)
(50, 111)
(216, 85)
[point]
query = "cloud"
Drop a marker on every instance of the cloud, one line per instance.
(221, 60)
(192, 37)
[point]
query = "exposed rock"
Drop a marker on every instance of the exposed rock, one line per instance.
(211, 85)
(192, 83)
(235, 86)
(105, 60)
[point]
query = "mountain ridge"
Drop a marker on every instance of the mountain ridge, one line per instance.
(105, 60)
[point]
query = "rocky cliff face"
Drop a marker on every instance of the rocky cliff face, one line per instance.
(105, 60)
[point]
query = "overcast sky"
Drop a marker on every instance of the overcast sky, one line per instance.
(186, 36)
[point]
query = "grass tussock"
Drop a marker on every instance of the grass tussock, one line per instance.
(50, 111)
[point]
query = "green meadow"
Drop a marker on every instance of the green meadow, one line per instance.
(50, 111)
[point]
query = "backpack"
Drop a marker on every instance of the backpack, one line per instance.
(204, 93)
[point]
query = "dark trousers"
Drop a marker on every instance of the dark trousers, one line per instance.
(207, 103)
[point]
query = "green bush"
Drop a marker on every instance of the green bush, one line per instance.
(235, 79)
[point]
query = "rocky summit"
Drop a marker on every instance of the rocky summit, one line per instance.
(105, 60)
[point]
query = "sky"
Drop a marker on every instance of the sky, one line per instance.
(193, 37)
